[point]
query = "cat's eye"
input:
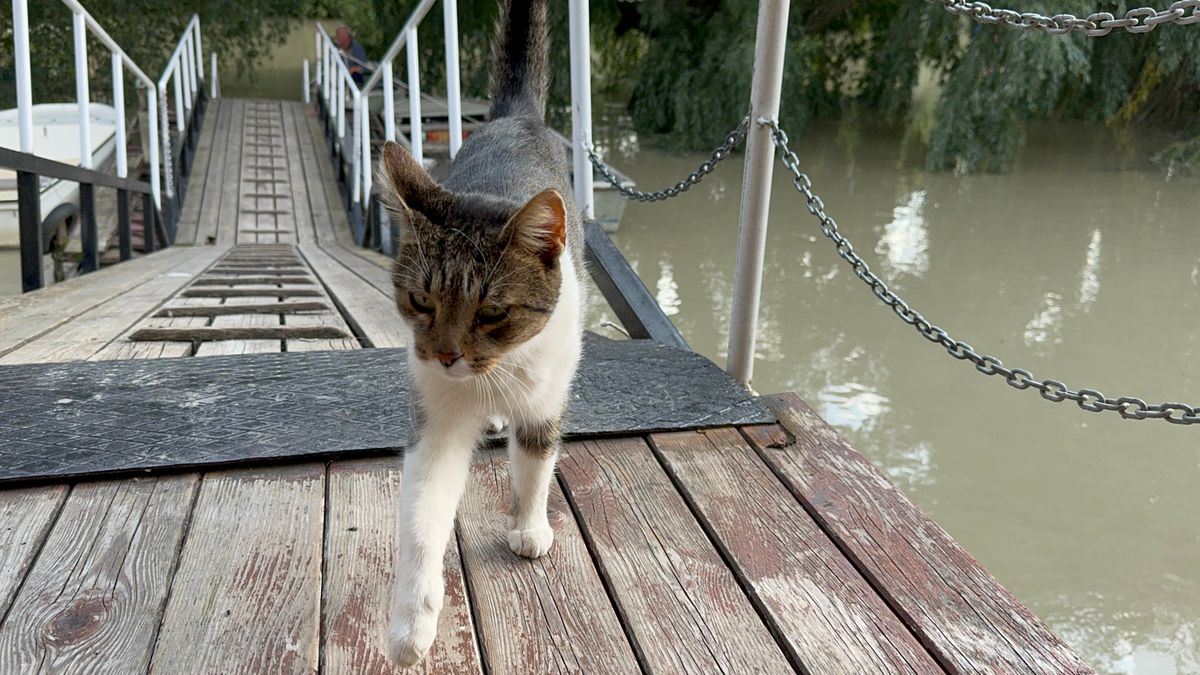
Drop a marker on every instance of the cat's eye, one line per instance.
(421, 302)
(490, 313)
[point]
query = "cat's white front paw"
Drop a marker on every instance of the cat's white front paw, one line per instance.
(411, 635)
(532, 542)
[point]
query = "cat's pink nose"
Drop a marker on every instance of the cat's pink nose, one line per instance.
(448, 358)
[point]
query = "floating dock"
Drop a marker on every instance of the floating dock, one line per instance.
(762, 548)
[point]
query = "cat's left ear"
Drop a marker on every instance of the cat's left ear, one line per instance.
(407, 185)
(541, 225)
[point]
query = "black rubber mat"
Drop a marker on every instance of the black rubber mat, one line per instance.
(68, 420)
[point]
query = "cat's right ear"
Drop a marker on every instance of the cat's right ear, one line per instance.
(408, 186)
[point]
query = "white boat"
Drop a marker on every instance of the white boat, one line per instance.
(56, 137)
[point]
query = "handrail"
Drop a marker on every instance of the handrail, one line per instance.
(334, 98)
(25, 162)
(333, 78)
(29, 166)
(185, 70)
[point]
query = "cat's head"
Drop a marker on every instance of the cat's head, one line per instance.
(475, 276)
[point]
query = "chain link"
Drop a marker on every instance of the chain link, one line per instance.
(1128, 407)
(1138, 20)
(724, 150)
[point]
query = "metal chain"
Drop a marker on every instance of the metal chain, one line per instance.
(731, 139)
(1090, 400)
(1139, 20)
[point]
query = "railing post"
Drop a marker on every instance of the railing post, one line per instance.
(24, 79)
(355, 158)
(199, 53)
(29, 208)
(155, 143)
(453, 93)
(581, 104)
(88, 237)
(213, 74)
(415, 135)
(82, 95)
(124, 236)
(307, 100)
(770, 41)
(389, 104)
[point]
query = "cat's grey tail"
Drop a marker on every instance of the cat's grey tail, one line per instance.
(520, 74)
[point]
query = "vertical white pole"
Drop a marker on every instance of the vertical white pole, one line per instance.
(305, 92)
(152, 123)
(355, 156)
(184, 71)
(81, 91)
(415, 136)
(118, 78)
(199, 53)
(327, 64)
(341, 108)
(212, 72)
(164, 139)
(453, 94)
(177, 76)
(389, 103)
(770, 41)
(581, 104)
(24, 79)
(365, 161)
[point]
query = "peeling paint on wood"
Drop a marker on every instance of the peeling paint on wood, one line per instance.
(956, 607)
(549, 615)
(680, 601)
(360, 548)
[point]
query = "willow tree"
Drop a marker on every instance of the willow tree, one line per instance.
(848, 59)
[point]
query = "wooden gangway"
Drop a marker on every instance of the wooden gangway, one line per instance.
(762, 549)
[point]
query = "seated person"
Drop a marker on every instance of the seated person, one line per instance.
(353, 54)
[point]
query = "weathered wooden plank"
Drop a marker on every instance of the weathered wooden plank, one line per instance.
(372, 312)
(124, 348)
(327, 319)
(209, 333)
(92, 330)
(681, 603)
(26, 516)
(251, 292)
(956, 607)
(293, 279)
(360, 548)
(225, 225)
(210, 148)
(535, 616)
(256, 308)
(297, 196)
(233, 321)
(93, 599)
(246, 598)
(830, 618)
(25, 317)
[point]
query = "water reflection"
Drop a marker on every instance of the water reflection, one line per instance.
(1090, 520)
(1089, 277)
(905, 242)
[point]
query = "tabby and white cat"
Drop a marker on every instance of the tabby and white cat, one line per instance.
(488, 278)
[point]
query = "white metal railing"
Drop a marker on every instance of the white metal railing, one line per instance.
(185, 72)
(333, 80)
(82, 24)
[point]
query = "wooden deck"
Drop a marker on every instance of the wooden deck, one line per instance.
(764, 549)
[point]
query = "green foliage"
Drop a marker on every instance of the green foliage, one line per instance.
(241, 32)
(685, 66)
(848, 60)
